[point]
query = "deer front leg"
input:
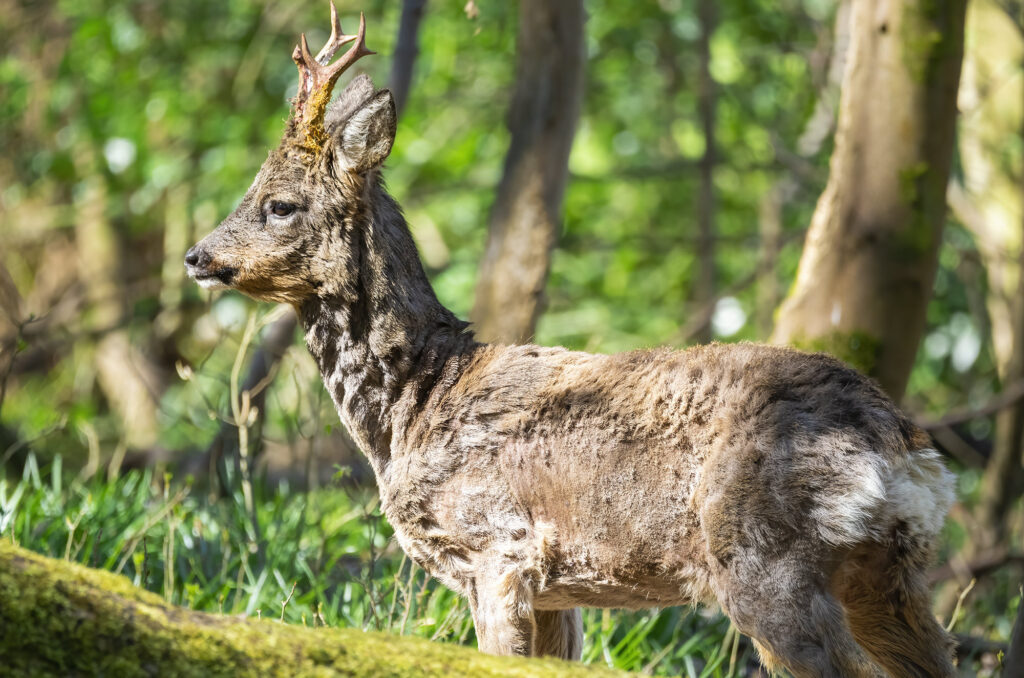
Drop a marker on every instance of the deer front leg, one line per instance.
(559, 634)
(502, 607)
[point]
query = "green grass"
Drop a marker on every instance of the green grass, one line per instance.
(325, 557)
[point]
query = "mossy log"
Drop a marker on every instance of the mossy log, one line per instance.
(62, 619)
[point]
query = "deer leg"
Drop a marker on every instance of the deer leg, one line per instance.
(771, 576)
(502, 608)
(796, 623)
(559, 634)
(895, 624)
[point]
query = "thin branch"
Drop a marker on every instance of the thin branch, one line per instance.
(1007, 397)
(967, 646)
(14, 346)
(984, 564)
(955, 446)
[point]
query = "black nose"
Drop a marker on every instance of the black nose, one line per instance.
(197, 257)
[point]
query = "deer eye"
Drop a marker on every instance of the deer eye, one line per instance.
(281, 209)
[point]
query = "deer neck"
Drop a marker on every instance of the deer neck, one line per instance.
(385, 343)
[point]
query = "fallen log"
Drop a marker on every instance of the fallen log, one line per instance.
(62, 619)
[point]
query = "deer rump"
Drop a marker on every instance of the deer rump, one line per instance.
(764, 479)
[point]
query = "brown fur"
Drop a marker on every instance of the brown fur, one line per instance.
(781, 485)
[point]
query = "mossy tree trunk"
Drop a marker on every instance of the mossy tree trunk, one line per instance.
(62, 619)
(527, 213)
(869, 262)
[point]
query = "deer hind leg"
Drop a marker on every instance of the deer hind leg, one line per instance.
(502, 607)
(795, 622)
(890, 614)
(771, 574)
(559, 634)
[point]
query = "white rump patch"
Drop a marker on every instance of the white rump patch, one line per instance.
(921, 491)
(847, 515)
(917, 489)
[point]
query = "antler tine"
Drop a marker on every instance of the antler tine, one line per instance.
(307, 72)
(338, 38)
(354, 53)
(317, 76)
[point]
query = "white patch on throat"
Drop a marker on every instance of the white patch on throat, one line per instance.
(211, 283)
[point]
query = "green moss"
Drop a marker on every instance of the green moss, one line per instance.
(917, 238)
(58, 618)
(920, 37)
(909, 177)
(856, 348)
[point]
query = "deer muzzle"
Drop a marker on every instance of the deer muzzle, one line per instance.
(205, 270)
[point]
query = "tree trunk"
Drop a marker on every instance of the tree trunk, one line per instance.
(705, 284)
(1013, 661)
(817, 129)
(124, 374)
(407, 48)
(58, 618)
(526, 215)
(869, 262)
(769, 228)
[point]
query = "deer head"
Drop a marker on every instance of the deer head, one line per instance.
(294, 230)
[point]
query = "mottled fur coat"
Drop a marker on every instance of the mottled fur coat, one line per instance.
(783, 486)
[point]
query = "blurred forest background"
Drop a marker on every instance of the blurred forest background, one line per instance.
(683, 149)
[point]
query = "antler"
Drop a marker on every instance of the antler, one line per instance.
(316, 78)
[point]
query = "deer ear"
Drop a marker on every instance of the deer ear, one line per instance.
(364, 141)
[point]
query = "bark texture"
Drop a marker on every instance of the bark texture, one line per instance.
(869, 262)
(58, 618)
(526, 215)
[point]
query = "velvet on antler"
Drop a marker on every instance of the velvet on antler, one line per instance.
(317, 79)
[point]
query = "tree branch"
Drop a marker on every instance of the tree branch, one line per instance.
(1008, 396)
(985, 563)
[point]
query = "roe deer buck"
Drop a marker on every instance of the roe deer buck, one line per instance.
(784, 486)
